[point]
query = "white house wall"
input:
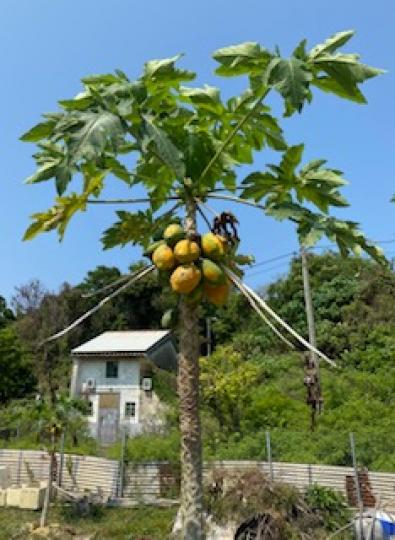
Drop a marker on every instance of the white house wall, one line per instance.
(127, 385)
(128, 373)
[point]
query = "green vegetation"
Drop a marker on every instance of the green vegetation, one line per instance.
(110, 524)
(251, 500)
(250, 384)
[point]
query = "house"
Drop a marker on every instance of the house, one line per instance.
(110, 372)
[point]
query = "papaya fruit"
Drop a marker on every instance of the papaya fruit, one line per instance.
(185, 278)
(173, 233)
(217, 294)
(212, 272)
(186, 251)
(163, 257)
(152, 247)
(213, 246)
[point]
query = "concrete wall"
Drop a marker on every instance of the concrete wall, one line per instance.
(95, 368)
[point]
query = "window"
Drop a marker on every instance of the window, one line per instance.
(111, 370)
(89, 410)
(130, 409)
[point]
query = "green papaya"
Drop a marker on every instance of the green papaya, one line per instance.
(212, 272)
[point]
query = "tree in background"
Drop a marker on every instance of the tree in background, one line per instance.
(17, 379)
(187, 143)
(6, 314)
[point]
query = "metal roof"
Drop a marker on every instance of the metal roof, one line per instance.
(127, 341)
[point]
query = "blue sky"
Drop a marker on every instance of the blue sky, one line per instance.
(48, 45)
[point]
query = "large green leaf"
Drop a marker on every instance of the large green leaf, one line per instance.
(39, 131)
(340, 73)
(164, 147)
(56, 217)
(97, 130)
(290, 160)
(290, 77)
(312, 183)
(331, 44)
(133, 228)
(206, 98)
(244, 58)
(164, 72)
(313, 226)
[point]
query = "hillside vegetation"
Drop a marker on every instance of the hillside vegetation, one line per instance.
(251, 383)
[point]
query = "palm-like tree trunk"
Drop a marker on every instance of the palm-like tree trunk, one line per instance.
(188, 390)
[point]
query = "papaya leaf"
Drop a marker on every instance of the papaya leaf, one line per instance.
(291, 78)
(245, 58)
(96, 131)
(165, 148)
(133, 228)
(164, 72)
(56, 217)
(206, 98)
(40, 131)
(332, 43)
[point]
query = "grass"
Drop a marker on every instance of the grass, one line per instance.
(148, 523)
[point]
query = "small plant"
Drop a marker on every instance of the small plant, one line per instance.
(330, 505)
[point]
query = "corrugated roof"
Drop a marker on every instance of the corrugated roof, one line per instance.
(128, 341)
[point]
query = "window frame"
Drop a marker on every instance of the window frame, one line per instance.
(113, 364)
(133, 409)
(91, 408)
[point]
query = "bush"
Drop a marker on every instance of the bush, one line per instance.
(330, 505)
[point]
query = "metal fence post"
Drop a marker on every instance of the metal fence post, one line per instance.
(122, 464)
(61, 461)
(357, 485)
(269, 455)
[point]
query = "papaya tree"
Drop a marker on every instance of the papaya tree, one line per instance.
(184, 145)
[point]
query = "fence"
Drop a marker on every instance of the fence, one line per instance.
(150, 481)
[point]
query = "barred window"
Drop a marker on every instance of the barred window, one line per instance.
(89, 411)
(130, 409)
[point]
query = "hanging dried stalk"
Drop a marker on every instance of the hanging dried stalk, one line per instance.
(277, 318)
(142, 273)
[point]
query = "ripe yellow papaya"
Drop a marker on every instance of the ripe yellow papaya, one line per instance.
(212, 272)
(213, 246)
(217, 294)
(163, 258)
(185, 278)
(152, 247)
(186, 251)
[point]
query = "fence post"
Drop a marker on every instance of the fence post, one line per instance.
(310, 473)
(269, 455)
(122, 464)
(357, 486)
(61, 461)
(19, 468)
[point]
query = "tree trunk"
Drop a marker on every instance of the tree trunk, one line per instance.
(188, 389)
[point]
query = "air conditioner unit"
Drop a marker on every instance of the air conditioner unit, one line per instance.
(89, 385)
(146, 384)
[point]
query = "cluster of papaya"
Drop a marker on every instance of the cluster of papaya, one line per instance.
(192, 266)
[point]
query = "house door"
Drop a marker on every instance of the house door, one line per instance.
(108, 417)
